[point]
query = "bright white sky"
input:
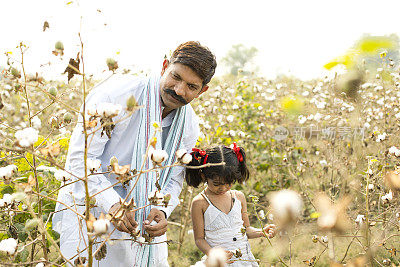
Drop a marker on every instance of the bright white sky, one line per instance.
(293, 36)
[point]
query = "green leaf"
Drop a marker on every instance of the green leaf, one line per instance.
(257, 186)
(32, 223)
(23, 256)
(7, 190)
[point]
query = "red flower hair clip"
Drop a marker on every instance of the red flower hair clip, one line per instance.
(202, 153)
(236, 149)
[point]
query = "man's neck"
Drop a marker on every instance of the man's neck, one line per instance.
(165, 112)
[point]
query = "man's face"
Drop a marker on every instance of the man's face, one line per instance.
(179, 85)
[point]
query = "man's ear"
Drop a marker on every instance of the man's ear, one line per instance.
(164, 66)
(205, 88)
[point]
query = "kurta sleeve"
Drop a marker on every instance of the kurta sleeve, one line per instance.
(115, 91)
(75, 162)
(174, 187)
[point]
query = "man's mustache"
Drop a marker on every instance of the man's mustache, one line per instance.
(174, 95)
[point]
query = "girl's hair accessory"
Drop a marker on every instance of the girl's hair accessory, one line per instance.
(236, 149)
(202, 153)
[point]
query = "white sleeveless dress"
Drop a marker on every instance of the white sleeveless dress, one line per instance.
(224, 230)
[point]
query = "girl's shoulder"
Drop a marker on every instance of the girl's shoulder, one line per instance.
(199, 202)
(239, 195)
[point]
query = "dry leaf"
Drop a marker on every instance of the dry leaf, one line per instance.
(73, 67)
(46, 25)
(120, 170)
(91, 124)
(311, 261)
(51, 150)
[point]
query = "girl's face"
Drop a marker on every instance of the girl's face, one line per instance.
(218, 186)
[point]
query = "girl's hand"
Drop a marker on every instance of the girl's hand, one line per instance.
(229, 255)
(269, 229)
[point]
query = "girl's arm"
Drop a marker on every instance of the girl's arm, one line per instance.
(252, 232)
(198, 225)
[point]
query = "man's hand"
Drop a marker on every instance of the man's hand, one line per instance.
(127, 223)
(160, 227)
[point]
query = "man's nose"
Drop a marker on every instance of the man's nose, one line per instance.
(180, 89)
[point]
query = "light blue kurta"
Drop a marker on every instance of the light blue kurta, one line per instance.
(124, 137)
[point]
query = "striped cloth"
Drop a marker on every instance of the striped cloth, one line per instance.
(151, 112)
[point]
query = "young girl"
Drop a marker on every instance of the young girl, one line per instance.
(219, 214)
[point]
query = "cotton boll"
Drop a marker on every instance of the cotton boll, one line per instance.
(381, 137)
(180, 153)
(19, 196)
(8, 199)
(8, 171)
(387, 198)
(261, 214)
(187, 158)
(62, 176)
(324, 239)
(158, 156)
(360, 219)
(216, 257)
(394, 150)
(108, 109)
(93, 164)
(141, 239)
(36, 122)
(27, 137)
(286, 205)
(101, 226)
(8, 245)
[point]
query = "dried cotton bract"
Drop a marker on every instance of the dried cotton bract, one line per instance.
(286, 206)
(157, 198)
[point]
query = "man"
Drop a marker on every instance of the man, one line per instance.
(165, 100)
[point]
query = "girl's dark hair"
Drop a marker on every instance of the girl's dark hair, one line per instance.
(233, 170)
(197, 57)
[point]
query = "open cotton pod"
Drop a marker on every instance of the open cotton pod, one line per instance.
(287, 206)
(332, 217)
(216, 258)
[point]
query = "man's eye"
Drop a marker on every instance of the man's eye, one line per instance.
(176, 77)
